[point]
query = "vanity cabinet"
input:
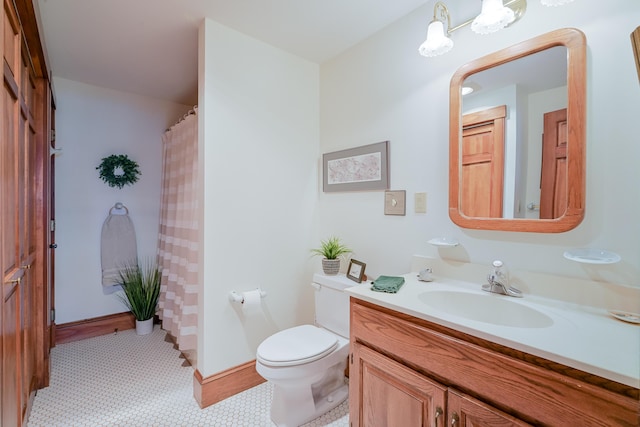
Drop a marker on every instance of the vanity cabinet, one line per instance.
(392, 394)
(405, 371)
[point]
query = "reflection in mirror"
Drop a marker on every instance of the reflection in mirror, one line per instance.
(503, 138)
(517, 140)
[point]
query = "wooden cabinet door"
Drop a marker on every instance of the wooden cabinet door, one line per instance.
(385, 393)
(465, 411)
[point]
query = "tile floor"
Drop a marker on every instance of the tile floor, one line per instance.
(128, 380)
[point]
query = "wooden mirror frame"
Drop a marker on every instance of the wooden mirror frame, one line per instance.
(575, 42)
(635, 44)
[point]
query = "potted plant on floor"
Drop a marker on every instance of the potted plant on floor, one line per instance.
(331, 250)
(141, 286)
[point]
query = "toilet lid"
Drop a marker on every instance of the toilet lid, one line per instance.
(295, 346)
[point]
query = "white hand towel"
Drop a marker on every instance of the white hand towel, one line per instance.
(118, 248)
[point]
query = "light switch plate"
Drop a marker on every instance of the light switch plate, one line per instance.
(395, 202)
(420, 205)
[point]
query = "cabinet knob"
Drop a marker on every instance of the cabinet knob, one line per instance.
(438, 414)
(454, 419)
(53, 245)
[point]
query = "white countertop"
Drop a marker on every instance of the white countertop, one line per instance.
(581, 337)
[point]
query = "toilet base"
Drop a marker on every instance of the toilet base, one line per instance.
(294, 405)
(303, 409)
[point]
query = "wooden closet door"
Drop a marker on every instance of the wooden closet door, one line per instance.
(27, 218)
(25, 108)
(12, 274)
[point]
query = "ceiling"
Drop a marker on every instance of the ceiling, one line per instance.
(149, 47)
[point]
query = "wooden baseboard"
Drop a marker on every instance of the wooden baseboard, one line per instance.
(89, 328)
(215, 388)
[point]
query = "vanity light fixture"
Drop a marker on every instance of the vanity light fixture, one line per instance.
(494, 15)
(437, 42)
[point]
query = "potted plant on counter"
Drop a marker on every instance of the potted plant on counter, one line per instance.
(141, 286)
(331, 250)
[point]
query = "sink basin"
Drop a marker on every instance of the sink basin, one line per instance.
(489, 308)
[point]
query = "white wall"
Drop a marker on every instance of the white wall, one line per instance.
(258, 151)
(383, 90)
(265, 119)
(93, 123)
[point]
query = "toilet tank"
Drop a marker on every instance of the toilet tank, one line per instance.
(332, 303)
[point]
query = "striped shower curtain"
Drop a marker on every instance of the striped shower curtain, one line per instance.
(178, 234)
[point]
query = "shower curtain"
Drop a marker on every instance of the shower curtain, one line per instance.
(178, 233)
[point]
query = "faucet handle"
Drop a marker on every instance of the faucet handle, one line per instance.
(499, 274)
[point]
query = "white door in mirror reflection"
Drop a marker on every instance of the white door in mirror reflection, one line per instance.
(483, 162)
(553, 177)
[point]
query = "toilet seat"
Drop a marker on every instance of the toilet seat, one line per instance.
(296, 346)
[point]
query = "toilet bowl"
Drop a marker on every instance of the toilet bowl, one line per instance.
(306, 364)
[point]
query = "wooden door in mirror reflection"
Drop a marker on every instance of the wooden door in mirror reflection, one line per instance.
(483, 162)
(553, 178)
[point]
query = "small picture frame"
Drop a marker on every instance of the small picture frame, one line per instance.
(356, 270)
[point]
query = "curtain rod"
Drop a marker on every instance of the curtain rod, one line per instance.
(187, 114)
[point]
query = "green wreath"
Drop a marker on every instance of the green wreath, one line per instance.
(118, 170)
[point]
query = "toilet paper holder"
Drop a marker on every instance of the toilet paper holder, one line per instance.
(239, 298)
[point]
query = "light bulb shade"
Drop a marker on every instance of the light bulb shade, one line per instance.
(493, 17)
(437, 42)
(555, 2)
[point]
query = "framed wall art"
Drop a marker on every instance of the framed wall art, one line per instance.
(357, 169)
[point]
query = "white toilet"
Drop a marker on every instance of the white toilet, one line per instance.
(306, 363)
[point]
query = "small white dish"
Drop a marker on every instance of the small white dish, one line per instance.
(625, 316)
(425, 275)
(443, 241)
(592, 256)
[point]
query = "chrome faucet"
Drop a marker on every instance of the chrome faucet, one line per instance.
(498, 280)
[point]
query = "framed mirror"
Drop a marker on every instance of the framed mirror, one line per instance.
(517, 137)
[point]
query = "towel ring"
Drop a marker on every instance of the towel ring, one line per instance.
(119, 206)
